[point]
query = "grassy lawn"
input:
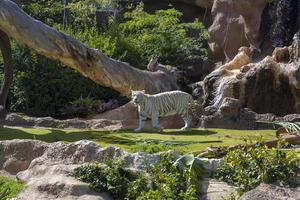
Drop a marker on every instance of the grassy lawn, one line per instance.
(181, 141)
(9, 188)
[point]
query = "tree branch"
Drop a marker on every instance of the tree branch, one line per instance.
(89, 62)
(8, 69)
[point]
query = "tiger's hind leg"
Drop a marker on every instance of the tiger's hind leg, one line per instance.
(155, 124)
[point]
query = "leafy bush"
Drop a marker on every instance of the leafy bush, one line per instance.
(168, 180)
(9, 188)
(111, 42)
(47, 11)
(163, 34)
(112, 178)
(249, 166)
(43, 86)
(84, 107)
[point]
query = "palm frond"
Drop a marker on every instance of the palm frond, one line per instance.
(290, 127)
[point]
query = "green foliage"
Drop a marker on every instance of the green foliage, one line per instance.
(9, 188)
(247, 167)
(83, 11)
(113, 178)
(43, 86)
(47, 11)
(111, 42)
(164, 35)
(84, 107)
(168, 182)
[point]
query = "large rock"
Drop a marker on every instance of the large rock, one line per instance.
(265, 87)
(272, 192)
(16, 155)
(53, 182)
(45, 167)
(230, 114)
(14, 119)
(216, 190)
(235, 23)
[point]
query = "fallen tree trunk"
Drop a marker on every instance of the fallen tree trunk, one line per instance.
(89, 62)
(8, 70)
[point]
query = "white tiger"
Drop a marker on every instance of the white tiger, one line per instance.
(162, 104)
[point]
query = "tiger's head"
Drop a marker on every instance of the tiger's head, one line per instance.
(137, 96)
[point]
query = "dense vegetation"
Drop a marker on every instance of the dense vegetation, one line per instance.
(247, 167)
(9, 188)
(165, 180)
(43, 87)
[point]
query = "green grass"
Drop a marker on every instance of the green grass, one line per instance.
(9, 188)
(181, 141)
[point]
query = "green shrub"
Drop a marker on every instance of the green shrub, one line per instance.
(112, 178)
(249, 166)
(84, 107)
(163, 34)
(9, 188)
(43, 87)
(47, 11)
(167, 180)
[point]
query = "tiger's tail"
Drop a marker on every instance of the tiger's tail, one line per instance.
(195, 109)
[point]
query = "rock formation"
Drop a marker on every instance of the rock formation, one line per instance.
(268, 86)
(271, 192)
(235, 24)
(45, 168)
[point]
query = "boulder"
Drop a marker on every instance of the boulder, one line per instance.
(14, 119)
(229, 115)
(230, 107)
(213, 189)
(16, 155)
(272, 192)
(54, 182)
(231, 20)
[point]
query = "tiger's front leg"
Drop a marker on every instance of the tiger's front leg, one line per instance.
(142, 120)
(154, 120)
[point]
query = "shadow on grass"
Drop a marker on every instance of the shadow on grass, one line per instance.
(122, 137)
(53, 135)
(171, 132)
